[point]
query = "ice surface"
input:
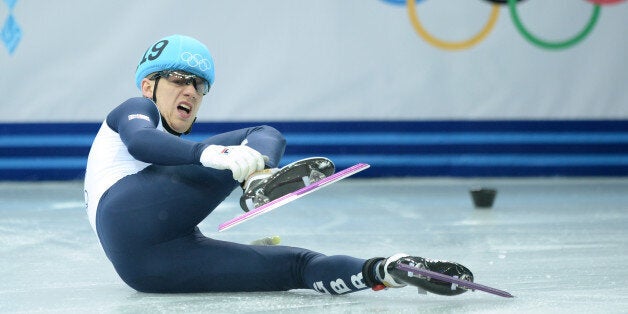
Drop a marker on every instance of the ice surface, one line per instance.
(558, 245)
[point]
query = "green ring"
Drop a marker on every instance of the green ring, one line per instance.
(547, 44)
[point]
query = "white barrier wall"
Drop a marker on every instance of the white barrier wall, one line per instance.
(323, 60)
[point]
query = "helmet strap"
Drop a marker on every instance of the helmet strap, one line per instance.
(155, 89)
(173, 132)
(168, 128)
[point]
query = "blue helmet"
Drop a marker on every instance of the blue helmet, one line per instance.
(176, 52)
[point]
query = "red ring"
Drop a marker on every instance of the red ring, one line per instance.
(603, 2)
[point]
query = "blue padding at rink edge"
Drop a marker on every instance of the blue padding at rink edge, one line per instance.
(58, 151)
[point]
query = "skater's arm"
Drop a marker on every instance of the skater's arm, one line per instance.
(136, 122)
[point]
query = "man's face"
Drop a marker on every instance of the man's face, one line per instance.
(178, 103)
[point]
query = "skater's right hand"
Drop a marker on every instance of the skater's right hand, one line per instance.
(241, 160)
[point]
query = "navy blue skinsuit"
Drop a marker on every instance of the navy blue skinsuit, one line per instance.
(147, 221)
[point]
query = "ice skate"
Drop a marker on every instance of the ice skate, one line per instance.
(394, 278)
(270, 184)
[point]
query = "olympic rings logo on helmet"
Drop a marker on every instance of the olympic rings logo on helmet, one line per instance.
(490, 24)
(195, 60)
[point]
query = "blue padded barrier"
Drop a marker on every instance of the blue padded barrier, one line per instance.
(58, 151)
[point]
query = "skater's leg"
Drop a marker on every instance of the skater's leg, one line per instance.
(198, 264)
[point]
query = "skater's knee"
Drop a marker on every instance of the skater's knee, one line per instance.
(274, 133)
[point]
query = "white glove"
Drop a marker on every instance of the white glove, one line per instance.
(241, 160)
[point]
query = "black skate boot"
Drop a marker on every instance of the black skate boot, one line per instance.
(271, 184)
(393, 277)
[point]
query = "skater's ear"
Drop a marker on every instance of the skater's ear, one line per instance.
(147, 87)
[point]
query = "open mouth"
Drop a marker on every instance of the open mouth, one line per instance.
(184, 108)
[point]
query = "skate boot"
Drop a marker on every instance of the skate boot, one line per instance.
(393, 277)
(271, 184)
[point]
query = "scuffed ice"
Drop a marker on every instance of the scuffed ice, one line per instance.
(558, 245)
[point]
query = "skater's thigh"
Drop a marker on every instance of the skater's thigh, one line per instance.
(160, 203)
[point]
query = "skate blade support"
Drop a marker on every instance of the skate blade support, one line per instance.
(460, 282)
(292, 196)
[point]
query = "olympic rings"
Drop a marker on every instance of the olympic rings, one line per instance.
(195, 60)
(450, 45)
(557, 44)
(490, 24)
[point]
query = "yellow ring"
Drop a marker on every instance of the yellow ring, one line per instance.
(451, 45)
